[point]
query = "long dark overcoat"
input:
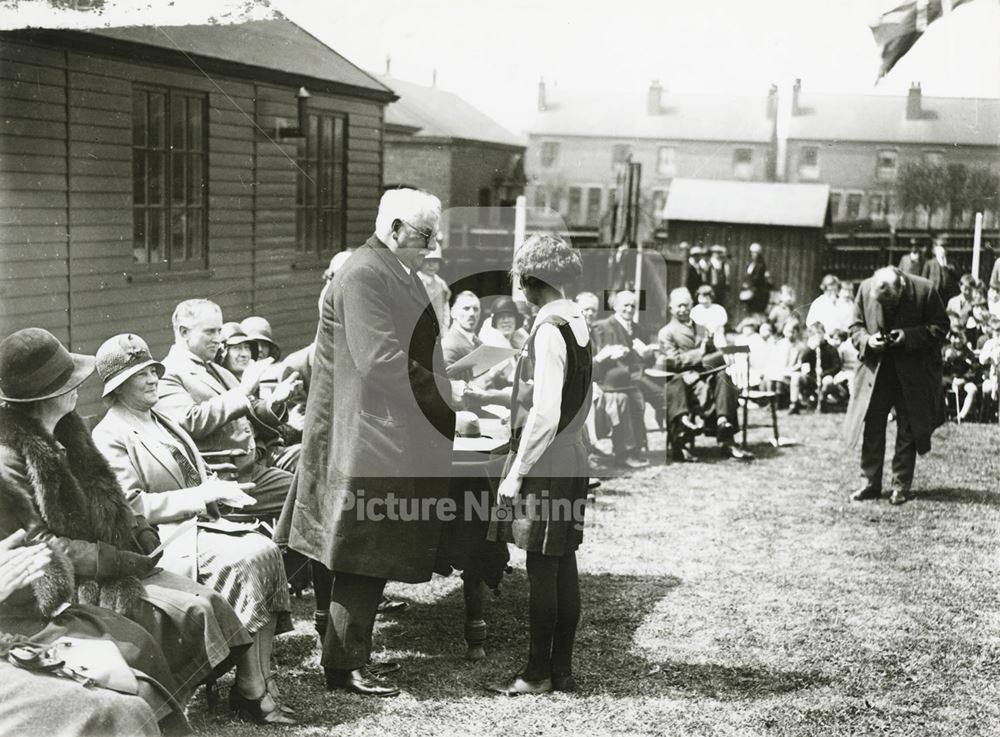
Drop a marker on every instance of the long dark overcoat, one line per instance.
(922, 318)
(377, 424)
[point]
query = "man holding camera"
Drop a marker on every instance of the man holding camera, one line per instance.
(899, 326)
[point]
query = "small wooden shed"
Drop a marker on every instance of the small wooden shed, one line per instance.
(787, 220)
(142, 166)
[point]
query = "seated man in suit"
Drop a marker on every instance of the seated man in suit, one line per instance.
(618, 402)
(216, 408)
(691, 351)
(459, 341)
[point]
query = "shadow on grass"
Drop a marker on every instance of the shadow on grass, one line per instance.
(958, 496)
(428, 642)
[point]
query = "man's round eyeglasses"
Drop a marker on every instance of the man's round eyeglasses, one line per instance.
(427, 235)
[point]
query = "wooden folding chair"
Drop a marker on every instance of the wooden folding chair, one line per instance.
(740, 374)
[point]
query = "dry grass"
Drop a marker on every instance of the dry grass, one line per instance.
(724, 598)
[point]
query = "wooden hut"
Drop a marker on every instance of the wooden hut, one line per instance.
(142, 166)
(788, 220)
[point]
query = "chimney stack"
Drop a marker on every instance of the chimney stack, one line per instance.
(914, 109)
(796, 90)
(772, 102)
(434, 78)
(388, 63)
(542, 105)
(654, 99)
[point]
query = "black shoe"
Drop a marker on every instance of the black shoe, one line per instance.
(355, 681)
(795, 409)
(865, 493)
(253, 710)
(390, 606)
(380, 670)
(564, 683)
(518, 686)
(899, 496)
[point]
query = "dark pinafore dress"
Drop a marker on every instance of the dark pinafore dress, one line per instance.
(548, 514)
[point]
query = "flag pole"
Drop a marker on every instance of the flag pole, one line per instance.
(977, 244)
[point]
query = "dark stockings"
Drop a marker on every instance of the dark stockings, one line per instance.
(554, 611)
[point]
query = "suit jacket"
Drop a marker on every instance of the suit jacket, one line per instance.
(377, 423)
(922, 318)
(611, 332)
(683, 345)
(213, 411)
(910, 265)
(153, 482)
(942, 278)
(455, 345)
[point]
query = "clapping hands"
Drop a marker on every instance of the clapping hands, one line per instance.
(21, 566)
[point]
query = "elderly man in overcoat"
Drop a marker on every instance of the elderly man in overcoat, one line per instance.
(899, 326)
(378, 434)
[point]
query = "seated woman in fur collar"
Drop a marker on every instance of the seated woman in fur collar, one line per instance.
(60, 489)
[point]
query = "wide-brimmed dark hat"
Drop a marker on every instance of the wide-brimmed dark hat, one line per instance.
(122, 357)
(34, 365)
(506, 306)
(259, 329)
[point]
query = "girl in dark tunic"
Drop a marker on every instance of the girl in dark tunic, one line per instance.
(544, 488)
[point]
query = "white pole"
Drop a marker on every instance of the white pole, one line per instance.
(520, 233)
(977, 243)
(638, 279)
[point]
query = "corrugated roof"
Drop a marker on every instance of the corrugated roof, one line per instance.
(623, 114)
(277, 44)
(945, 120)
(437, 113)
(757, 203)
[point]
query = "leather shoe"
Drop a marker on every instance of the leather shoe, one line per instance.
(380, 670)
(634, 462)
(899, 496)
(354, 681)
(390, 606)
(518, 686)
(737, 453)
(865, 493)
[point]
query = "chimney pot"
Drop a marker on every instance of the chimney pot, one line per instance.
(654, 99)
(796, 90)
(772, 102)
(542, 102)
(914, 106)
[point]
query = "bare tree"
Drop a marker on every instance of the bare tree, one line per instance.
(923, 186)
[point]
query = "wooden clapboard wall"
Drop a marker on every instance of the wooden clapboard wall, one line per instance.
(66, 201)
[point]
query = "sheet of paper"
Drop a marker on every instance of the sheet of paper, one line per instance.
(182, 528)
(497, 410)
(481, 360)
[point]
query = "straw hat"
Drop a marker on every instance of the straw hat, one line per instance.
(121, 357)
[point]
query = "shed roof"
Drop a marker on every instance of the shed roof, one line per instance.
(623, 114)
(756, 203)
(437, 113)
(277, 44)
(943, 120)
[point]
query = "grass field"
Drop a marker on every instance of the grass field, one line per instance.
(722, 598)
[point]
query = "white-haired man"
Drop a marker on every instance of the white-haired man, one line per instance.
(378, 431)
(899, 327)
(217, 409)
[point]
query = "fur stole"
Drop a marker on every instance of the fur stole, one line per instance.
(76, 495)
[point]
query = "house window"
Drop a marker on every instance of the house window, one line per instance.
(321, 197)
(876, 206)
(743, 163)
(485, 197)
(620, 153)
(169, 178)
(666, 161)
(550, 153)
(574, 210)
(835, 198)
(885, 167)
(809, 162)
(934, 158)
(594, 206)
(853, 205)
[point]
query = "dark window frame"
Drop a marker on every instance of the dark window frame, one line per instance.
(320, 200)
(182, 171)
